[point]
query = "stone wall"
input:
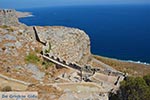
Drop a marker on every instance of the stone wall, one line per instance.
(8, 17)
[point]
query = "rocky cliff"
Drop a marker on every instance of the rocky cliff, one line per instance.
(70, 44)
(8, 17)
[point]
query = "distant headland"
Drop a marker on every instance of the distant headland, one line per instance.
(18, 13)
(23, 14)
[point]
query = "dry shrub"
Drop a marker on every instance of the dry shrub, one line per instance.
(6, 89)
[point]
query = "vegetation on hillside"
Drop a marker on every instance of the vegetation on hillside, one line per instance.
(6, 89)
(48, 49)
(8, 28)
(47, 64)
(4, 26)
(133, 69)
(133, 88)
(33, 58)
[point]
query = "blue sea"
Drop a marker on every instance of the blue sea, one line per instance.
(116, 31)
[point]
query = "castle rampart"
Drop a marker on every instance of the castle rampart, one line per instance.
(6, 11)
(8, 17)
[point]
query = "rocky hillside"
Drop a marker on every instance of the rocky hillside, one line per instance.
(70, 44)
(21, 47)
(20, 60)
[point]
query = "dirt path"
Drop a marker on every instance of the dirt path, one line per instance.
(15, 84)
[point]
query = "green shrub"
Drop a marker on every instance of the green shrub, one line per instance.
(47, 64)
(48, 50)
(133, 88)
(32, 58)
(147, 79)
(49, 46)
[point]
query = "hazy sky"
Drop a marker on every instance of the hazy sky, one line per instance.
(48, 3)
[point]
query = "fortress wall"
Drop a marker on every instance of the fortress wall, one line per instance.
(8, 17)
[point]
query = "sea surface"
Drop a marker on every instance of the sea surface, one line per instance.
(116, 31)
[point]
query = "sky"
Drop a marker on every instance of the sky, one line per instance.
(48, 3)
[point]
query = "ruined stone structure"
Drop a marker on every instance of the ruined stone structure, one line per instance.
(37, 37)
(8, 17)
(69, 44)
(86, 72)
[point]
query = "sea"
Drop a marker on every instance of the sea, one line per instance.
(115, 31)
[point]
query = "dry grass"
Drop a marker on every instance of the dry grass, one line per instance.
(128, 67)
(45, 92)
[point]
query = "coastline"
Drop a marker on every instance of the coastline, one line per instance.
(135, 68)
(136, 62)
(23, 14)
(127, 61)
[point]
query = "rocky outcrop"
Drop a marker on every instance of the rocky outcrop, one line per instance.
(8, 17)
(37, 74)
(69, 44)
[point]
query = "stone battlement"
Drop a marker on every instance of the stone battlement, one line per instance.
(8, 17)
(5, 11)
